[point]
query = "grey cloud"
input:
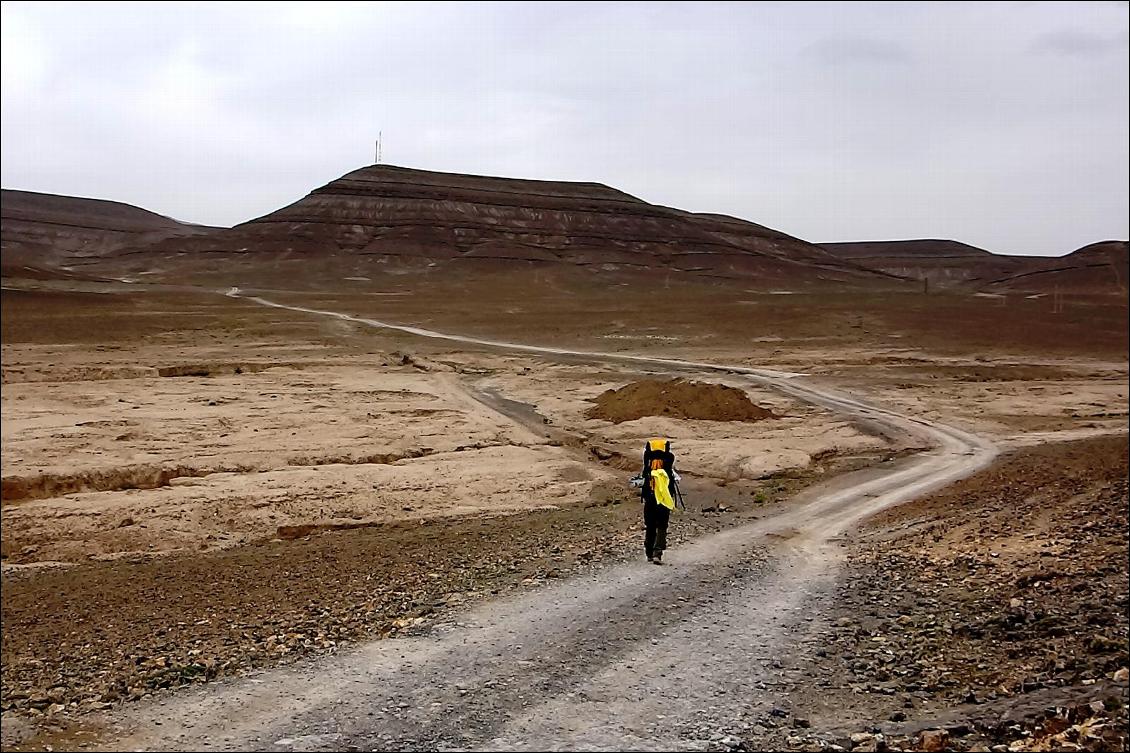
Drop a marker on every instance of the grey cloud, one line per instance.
(839, 50)
(1077, 43)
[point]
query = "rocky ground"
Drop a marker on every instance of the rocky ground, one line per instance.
(89, 637)
(989, 616)
(78, 639)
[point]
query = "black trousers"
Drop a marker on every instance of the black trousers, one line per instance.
(655, 517)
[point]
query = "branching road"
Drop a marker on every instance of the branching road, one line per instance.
(629, 656)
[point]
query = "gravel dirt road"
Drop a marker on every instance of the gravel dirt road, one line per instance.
(630, 656)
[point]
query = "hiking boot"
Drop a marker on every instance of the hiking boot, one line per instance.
(657, 559)
(651, 558)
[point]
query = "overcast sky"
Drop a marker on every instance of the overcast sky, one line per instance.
(1001, 125)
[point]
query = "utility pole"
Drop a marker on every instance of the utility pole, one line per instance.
(378, 148)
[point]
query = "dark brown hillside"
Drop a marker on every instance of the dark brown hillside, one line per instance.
(945, 263)
(1099, 268)
(398, 218)
(1096, 268)
(44, 230)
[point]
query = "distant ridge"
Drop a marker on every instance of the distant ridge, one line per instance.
(402, 217)
(43, 229)
(387, 218)
(1095, 268)
(908, 249)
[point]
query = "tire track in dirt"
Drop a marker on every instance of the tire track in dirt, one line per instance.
(629, 656)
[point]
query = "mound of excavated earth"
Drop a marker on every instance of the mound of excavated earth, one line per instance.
(676, 398)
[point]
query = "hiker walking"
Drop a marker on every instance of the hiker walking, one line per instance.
(658, 492)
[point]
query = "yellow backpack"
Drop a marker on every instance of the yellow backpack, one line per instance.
(659, 481)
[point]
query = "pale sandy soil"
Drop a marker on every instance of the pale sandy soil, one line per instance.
(305, 421)
(1072, 397)
(330, 441)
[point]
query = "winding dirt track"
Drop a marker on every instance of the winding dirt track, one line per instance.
(629, 656)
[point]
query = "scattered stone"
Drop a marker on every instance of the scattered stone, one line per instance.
(932, 740)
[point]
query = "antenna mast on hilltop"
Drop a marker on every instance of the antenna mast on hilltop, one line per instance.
(379, 134)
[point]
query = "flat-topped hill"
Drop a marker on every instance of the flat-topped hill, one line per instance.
(401, 217)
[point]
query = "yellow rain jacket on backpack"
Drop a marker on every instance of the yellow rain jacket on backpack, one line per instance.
(661, 485)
